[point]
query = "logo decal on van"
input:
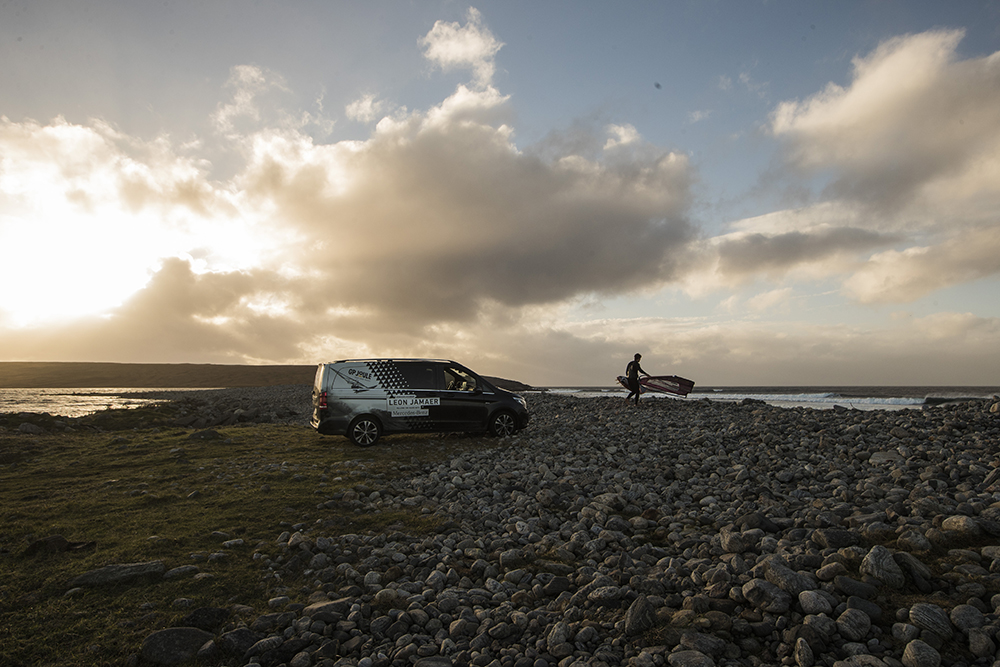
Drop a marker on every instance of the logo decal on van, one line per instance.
(410, 406)
(356, 384)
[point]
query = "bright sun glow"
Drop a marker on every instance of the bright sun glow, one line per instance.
(86, 218)
(63, 263)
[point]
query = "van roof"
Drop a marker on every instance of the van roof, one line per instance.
(342, 361)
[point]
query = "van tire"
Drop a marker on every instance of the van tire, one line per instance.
(364, 431)
(503, 424)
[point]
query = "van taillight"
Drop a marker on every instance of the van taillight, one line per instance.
(322, 400)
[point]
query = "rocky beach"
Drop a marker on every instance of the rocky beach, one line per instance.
(678, 532)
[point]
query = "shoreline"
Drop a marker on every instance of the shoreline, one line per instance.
(109, 375)
(154, 376)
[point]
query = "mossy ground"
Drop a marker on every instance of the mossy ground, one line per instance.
(152, 493)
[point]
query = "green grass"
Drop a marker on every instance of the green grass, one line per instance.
(140, 499)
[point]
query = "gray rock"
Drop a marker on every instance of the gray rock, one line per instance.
(703, 643)
(237, 642)
(181, 571)
(111, 575)
(913, 541)
(735, 543)
(871, 609)
(912, 565)
(689, 658)
(339, 607)
(813, 602)
(785, 578)
(920, 654)
(854, 624)
(641, 616)
(964, 526)
(966, 617)
(879, 563)
(766, 596)
(513, 559)
(803, 653)
(932, 618)
(605, 594)
(434, 661)
(831, 571)
(559, 634)
(835, 538)
(850, 586)
(879, 531)
(905, 632)
(174, 645)
(206, 618)
(981, 643)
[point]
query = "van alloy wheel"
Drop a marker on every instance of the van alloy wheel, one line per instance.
(364, 431)
(503, 424)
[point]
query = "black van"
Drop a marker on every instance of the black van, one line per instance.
(364, 398)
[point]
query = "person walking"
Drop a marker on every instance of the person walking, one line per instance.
(632, 372)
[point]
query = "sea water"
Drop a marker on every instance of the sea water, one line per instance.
(73, 402)
(859, 398)
(80, 402)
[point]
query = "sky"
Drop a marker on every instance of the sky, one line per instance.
(746, 193)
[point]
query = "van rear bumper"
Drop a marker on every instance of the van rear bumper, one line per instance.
(329, 425)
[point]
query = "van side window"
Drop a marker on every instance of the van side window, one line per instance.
(455, 379)
(417, 375)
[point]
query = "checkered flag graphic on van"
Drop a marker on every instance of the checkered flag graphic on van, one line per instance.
(388, 375)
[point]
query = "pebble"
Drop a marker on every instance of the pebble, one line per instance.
(724, 533)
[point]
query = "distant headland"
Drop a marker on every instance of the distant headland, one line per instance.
(72, 375)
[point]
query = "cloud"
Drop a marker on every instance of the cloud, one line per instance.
(434, 225)
(760, 89)
(365, 109)
(773, 300)
(902, 276)
(621, 135)
(909, 151)
(745, 254)
(178, 316)
(89, 209)
(439, 213)
(825, 241)
(248, 84)
(915, 120)
(472, 46)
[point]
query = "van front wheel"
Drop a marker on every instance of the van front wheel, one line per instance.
(364, 431)
(503, 424)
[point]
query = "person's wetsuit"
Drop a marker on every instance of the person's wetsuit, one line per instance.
(632, 372)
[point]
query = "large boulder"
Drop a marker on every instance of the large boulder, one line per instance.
(174, 645)
(111, 575)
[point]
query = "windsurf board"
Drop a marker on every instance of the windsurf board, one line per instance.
(666, 384)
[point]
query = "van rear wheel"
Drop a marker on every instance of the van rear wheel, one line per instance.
(364, 431)
(503, 424)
